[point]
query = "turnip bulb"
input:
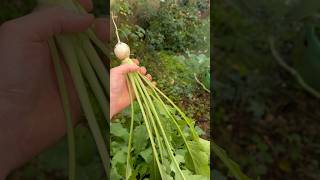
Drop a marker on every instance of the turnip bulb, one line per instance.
(122, 51)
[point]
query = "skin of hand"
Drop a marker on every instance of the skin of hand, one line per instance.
(31, 115)
(119, 92)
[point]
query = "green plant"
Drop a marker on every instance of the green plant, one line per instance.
(291, 12)
(176, 28)
(85, 67)
(254, 96)
(152, 105)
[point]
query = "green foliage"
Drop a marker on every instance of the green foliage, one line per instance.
(141, 155)
(234, 168)
(259, 108)
(310, 67)
(55, 161)
(13, 9)
(176, 28)
(170, 27)
(147, 28)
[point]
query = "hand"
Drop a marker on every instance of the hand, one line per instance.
(31, 115)
(119, 92)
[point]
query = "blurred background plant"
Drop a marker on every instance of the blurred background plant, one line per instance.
(263, 117)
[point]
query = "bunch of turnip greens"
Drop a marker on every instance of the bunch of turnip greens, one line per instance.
(177, 150)
(161, 142)
(90, 77)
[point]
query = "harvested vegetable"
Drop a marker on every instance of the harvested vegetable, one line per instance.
(166, 143)
(89, 75)
(178, 151)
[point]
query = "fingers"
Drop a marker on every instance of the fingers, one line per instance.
(148, 76)
(143, 70)
(126, 68)
(86, 4)
(136, 61)
(43, 24)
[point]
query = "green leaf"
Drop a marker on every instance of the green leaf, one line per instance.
(188, 175)
(118, 130)
(231, 165)
(119, 161)
(114, 175)
(119, 157)
(140, 138)
(309, 67)
(198, 158)
(147, 155)
(154, 171)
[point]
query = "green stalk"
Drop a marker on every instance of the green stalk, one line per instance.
(169, 147)
(66, 108)
(131, 78)
(151, 118)
(128, 169)
(95, 62)
(93, 37)
(171, 117)
(66, 46)
(92, 80)
(195, 136)
(160, 144)
(175, 122)
(90, 33)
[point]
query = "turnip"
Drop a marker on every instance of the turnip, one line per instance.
(151, 100)
(122, 51)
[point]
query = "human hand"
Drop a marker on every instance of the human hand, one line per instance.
(119, 92)
(31, 115)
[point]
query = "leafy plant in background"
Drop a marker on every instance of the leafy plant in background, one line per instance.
(255, 96)
(176, 28)
(170, 27)
(276, 17)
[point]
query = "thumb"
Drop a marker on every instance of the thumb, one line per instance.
(43, 24)
(126, 68)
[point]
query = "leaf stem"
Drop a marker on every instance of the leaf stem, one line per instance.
(93, 81)
(187, 120)
(131, 78)
(292, 71)
(96, 62)
(67, 48)
(168, 145)
(128, 174)
(66, 108)
(115, 25)
(199, 82)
